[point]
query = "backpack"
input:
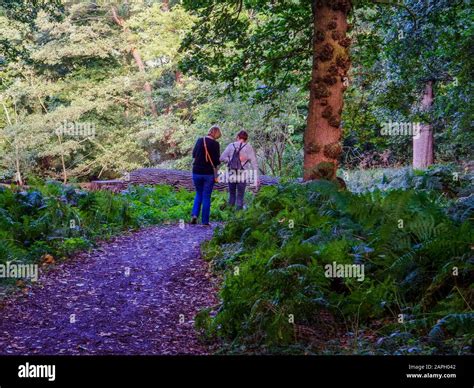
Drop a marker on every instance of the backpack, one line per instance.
(234, 162)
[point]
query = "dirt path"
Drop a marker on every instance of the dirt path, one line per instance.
(135, 294)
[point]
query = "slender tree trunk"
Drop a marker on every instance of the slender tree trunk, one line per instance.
(423, 143)
(18, 176)
(139, 62)
(147, 86)
(322, 138)
(63, 162)
(60, 142)
(178, 76)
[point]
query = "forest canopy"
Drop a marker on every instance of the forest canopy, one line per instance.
(95, 89)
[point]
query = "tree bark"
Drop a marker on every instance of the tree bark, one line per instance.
(178, 76)
(322, 138)
(139, 62)
(63, 162)
(175, 178)
(423, 143)
(18, 177)
(60, 142)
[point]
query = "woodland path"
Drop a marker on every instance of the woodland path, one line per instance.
(134, 294)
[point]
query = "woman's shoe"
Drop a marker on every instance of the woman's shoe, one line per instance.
(194, 220)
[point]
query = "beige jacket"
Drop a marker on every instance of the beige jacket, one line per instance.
(247, 156)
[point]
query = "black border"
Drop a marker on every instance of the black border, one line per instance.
(222, 371)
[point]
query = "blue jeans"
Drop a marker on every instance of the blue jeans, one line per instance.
(204, 185)
(239, 198)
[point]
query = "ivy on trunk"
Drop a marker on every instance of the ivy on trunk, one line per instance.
(322, 138)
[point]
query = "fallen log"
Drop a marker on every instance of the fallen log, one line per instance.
(158, 176)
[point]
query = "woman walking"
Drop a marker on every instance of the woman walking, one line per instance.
(206, 159)
(242, 168)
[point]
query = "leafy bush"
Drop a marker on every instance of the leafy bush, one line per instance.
(447, 179)
(273, 256)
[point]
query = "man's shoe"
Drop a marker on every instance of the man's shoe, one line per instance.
(194, 220)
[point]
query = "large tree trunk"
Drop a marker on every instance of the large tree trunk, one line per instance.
(158, 176)
(423, 143)
(139, 62)
(322, 139)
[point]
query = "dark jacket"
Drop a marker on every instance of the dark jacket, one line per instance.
(200, 165)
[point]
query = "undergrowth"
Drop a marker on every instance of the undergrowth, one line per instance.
(416, 296)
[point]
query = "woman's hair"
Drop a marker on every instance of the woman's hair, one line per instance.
(242, 135)
(215, 132)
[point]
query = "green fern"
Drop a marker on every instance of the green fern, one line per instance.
(453, 323)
